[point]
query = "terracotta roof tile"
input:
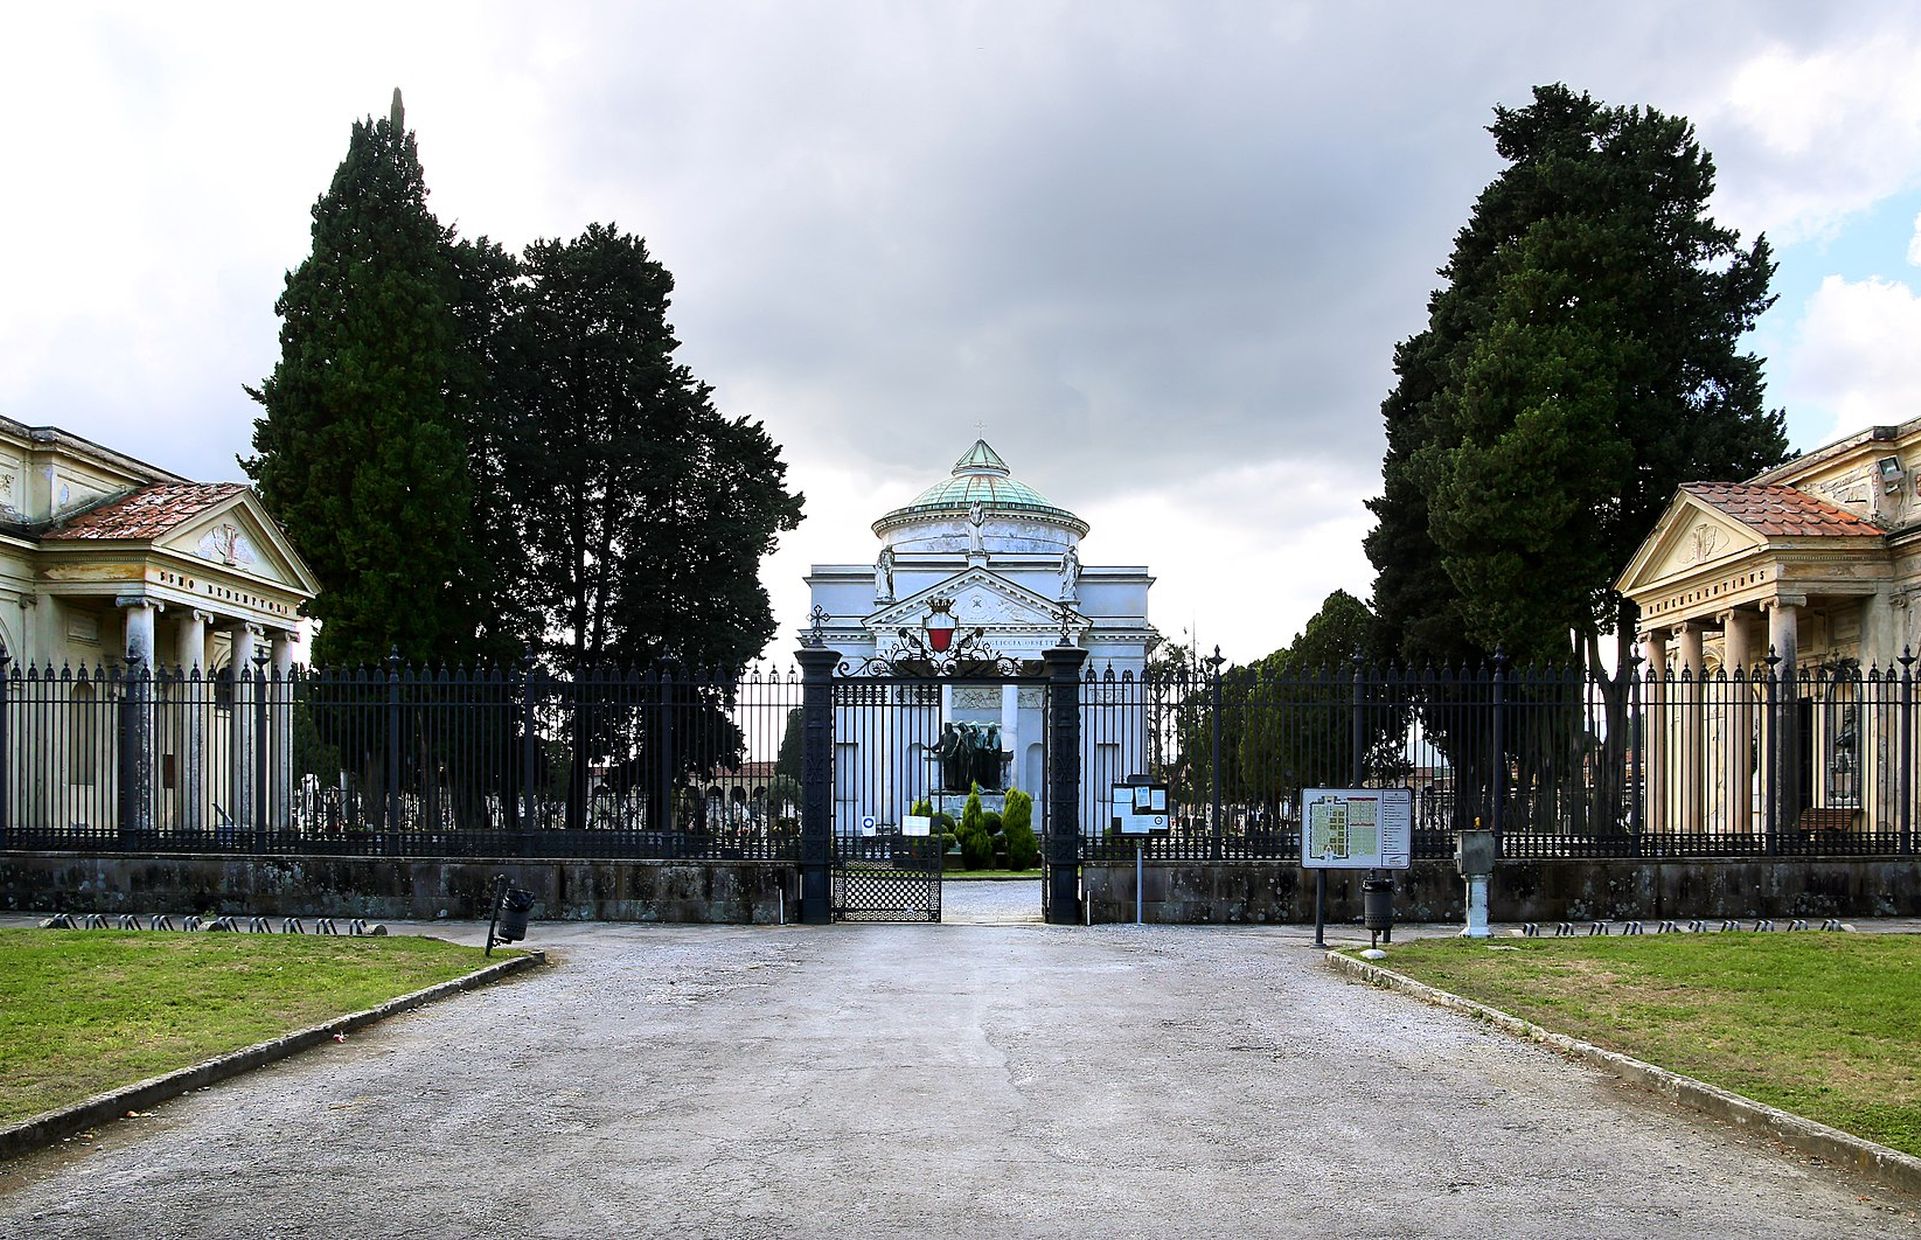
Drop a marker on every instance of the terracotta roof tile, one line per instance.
(148, 512)
(1780, 511)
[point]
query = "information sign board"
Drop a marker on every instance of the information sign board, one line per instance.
(1140, 809)
(916, 824)
(1357, 828)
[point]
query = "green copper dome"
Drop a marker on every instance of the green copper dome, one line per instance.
(980, 476)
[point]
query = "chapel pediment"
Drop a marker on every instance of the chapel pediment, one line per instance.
(240, 537)
(980, 598)
(1711, 527)
(1690, 536)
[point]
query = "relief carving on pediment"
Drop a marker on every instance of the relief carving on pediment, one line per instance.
(226, 544)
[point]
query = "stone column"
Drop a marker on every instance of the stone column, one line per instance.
(280, 729)
(1784, 740)
(1011, 736)
(245, 638)
(136, 717)
(1654, 649)
(1737, 660)
(1691, 699)
(196, 699)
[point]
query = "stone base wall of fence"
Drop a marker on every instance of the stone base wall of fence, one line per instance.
(398, 889)
(1198, 893)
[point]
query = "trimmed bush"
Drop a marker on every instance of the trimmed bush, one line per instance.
(1023, 850)
(977, 848)
(1019, 811)
(992, 822)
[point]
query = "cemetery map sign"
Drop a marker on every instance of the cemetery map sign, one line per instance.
(1357, 828)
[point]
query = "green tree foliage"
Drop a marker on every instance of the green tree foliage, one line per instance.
(1289, 723)
(362, 450)
(1581, 361)
(787, 757)
(643, 510)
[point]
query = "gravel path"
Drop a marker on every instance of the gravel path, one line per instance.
(991, 1078)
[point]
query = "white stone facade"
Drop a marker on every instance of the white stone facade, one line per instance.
(1008, 563)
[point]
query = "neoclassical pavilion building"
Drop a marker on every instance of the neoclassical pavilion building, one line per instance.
(991, 552)
(107, 560)
(1818, 561)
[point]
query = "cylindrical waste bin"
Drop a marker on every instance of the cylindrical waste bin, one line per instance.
(1377, 907)
(514, 907)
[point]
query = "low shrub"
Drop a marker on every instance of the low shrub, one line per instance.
(971, 809)
(1019, 811)
(1023, 850)
(977, 848)
(991, 821)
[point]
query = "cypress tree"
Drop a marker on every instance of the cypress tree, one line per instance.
(362, 452)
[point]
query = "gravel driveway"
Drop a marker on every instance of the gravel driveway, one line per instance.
(988, 1078)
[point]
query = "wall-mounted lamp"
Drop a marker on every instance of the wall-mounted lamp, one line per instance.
(1892, 475)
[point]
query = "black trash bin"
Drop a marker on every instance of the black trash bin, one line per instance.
(1377, 908)
(511, 908)
(514, 908)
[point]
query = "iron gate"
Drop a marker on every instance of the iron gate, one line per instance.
(914, 737)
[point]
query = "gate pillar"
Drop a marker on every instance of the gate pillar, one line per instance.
(816, 782)
(1063, 845)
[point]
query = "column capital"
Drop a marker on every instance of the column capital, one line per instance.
(138, 600)
(201, 616)
(1784, 599)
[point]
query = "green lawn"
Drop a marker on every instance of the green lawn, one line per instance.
(988, 876)
(84, 1011)
(1825, 1025)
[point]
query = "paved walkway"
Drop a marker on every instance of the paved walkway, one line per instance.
(991, 1078)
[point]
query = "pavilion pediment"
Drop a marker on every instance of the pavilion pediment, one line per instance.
(980, 599)
(241, 538)
(1691, 537)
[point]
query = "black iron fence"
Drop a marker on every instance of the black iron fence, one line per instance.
(400, 761)
(1562, 763)
(518, 761)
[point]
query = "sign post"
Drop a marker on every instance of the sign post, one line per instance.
(1140, 809)
(1353, 829)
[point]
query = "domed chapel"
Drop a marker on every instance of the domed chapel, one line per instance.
(979, 549)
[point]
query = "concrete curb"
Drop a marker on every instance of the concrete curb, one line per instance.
(1889, 1166)
(44, 1130)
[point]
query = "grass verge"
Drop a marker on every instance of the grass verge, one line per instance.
(86, 1011)
(1827, 1026)
(987, 876)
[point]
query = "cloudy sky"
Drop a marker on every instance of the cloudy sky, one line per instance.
(1160, 252)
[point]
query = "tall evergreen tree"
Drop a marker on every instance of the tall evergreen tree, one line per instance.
(644, 512)
(1582, 361)
(362, 452)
